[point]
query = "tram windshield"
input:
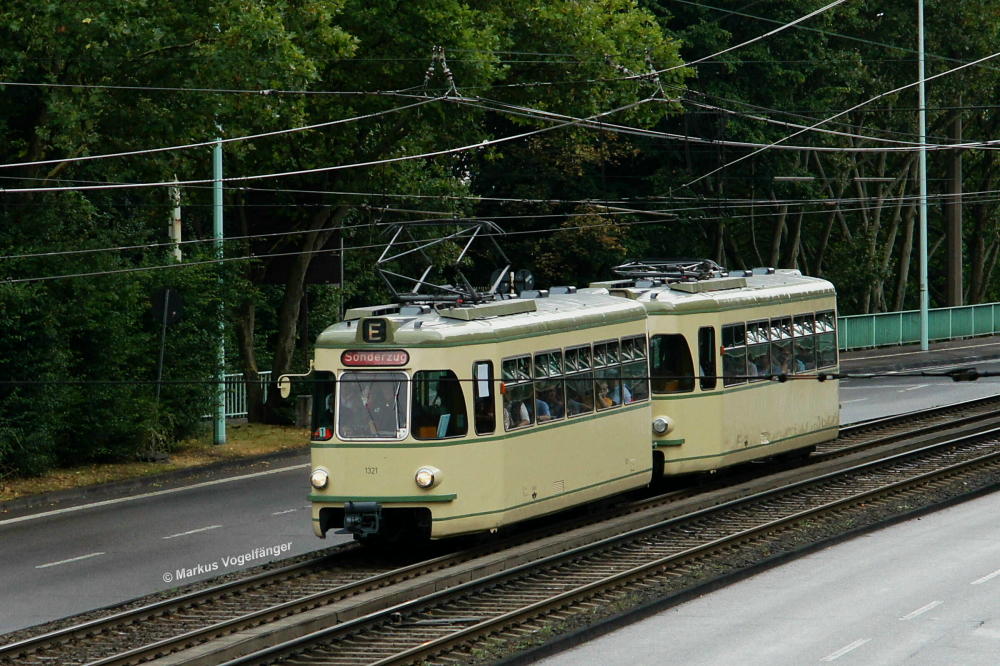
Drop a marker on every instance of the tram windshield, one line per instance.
(372, 405)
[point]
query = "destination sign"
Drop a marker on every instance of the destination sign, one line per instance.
(375, 357)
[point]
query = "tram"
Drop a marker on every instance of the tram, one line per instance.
(437, 419)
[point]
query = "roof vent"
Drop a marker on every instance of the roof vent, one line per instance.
(562, 290)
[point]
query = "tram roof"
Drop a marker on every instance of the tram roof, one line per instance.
(782, 286)
(552, 314)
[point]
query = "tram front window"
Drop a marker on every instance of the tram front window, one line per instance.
(372, 405)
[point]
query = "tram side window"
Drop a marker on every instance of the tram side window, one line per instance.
(826, 338)
(670, 365)
(706, 357)
(734, 354)
(781, 346)
(607, 375)
(518, 396)
(579, 381)
(805, 343)
(438, 405)
(550, 394)
(484, 400)
(324, 395)
(635, 370)
(758, 350)
(372, 405)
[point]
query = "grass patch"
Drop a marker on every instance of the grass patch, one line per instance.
(242, 440)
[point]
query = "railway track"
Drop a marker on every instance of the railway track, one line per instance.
(288, 602)
(475, 622)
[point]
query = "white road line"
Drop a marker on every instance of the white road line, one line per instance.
(281, 513)
(914, 388)
(72, 559)
(844, 650)
(157, 493)
(923, 609)
(847, 402)
(987, 577)
(200, 529)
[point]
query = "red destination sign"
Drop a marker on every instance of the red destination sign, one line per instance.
(375, 357)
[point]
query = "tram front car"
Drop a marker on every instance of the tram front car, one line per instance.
(430, 422)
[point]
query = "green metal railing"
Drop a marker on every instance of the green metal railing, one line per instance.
(902, 328)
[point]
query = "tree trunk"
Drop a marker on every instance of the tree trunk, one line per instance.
(321, 228)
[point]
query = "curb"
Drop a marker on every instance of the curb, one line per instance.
(172, 479)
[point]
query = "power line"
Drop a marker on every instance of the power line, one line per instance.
(841, 113)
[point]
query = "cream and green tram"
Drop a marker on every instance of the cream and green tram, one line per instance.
(718, 350)
(438, 421)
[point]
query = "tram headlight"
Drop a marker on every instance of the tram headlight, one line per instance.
(319, 478)
(662, 425)
(427, 477)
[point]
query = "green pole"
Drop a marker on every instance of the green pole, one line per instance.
(922, 115)
(220, 365)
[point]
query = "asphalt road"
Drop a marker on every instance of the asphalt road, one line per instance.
(77, 560)
(863, 399)
(72, 561)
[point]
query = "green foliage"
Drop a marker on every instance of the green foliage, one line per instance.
(80, 353)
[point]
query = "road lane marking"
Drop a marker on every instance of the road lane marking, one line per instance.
(844, 650)
(987, 577)
(157, 493)
(281, 513)
(923, 609)
(914, 388)
(72, 559)
(200, 529)
(847, 402)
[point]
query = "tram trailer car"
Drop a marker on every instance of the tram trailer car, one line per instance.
(440, 421)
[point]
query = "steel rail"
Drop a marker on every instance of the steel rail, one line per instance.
(276, 611)
(431, 648)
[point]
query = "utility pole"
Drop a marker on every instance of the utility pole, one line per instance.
(953, 214)
(922, 114)
(174, 228)
(220, 367)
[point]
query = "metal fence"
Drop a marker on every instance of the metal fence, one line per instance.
(901, 328)
(236, 392)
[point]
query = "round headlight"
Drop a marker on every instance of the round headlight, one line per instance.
(427, 477)
(319, 478)
(662, 425)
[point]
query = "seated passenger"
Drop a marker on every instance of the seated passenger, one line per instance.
(515, 415)
(556, 407)
(542, 411)
(616, 395)
(603, 399)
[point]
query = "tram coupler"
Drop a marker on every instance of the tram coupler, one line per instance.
(362, 519)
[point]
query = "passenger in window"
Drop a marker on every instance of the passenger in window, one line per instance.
(516, 415)
(616, 395)
(574, 405)
(557, 409)
(603, 399)
(542, 411)
(779, 364)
